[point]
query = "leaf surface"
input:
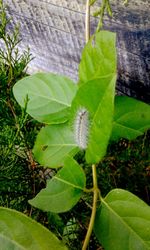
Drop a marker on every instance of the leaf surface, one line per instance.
(97, 78)
(19, 232)
(97, 97)
(123, 222)
(131, 118)
(63, 191)
(98, 57)
(49, 96)
(53, 144)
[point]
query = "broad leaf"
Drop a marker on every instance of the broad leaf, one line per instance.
(53, 144)
(8, 244)
(19, 232)
(123, 222)
(98, 57)
(49, 96)
(97, 97)
(131, 118)
(63, 191)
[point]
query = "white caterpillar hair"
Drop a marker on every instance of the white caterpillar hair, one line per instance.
(81, 128)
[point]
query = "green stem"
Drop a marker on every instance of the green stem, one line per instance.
(12, 142)
(94, 207)
(88, 190)
(87, 21)
(9, 60)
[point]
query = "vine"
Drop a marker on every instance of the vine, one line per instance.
(96, 192)
(105, 8)
(57, 102)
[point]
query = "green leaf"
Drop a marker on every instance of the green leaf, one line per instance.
(98, 57)
(63, 191)
(123, 222)
(53, 144)
(97, 96)
(8, 244)
(19, 232)
(49, 96)
(71, 230)
(57, 221)
(101, 126)
(97, 76)
(131, 118)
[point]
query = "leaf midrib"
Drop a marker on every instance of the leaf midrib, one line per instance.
(68, 183)
(129, 128)
(61, 145)
(58, 193)
(49, 98)
(129, 113)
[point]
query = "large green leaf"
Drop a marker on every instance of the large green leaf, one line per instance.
(131, 118)
(97, 97)
(53, 144)
(98, 57)
(19, 232)
(123, 222)
(8, 244)
(63, 191)
(49, 96)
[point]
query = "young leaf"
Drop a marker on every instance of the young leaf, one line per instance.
(63, 191)
(97, 97)
(19, 232)
(98, 57)
(53, 144)
(49, 96)
(101, 126)
(131, 118)
(123, 222)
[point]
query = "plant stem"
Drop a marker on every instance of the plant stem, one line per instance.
(87, 21)
(9, 60)
(95, 189)
(94, 207)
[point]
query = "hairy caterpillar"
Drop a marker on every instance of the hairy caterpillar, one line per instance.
(81, 128)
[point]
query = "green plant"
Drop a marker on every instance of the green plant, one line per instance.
(16, 128)
(105, 8)
(86, 117)
(24, 233)
(13, 64)
(11, 61)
